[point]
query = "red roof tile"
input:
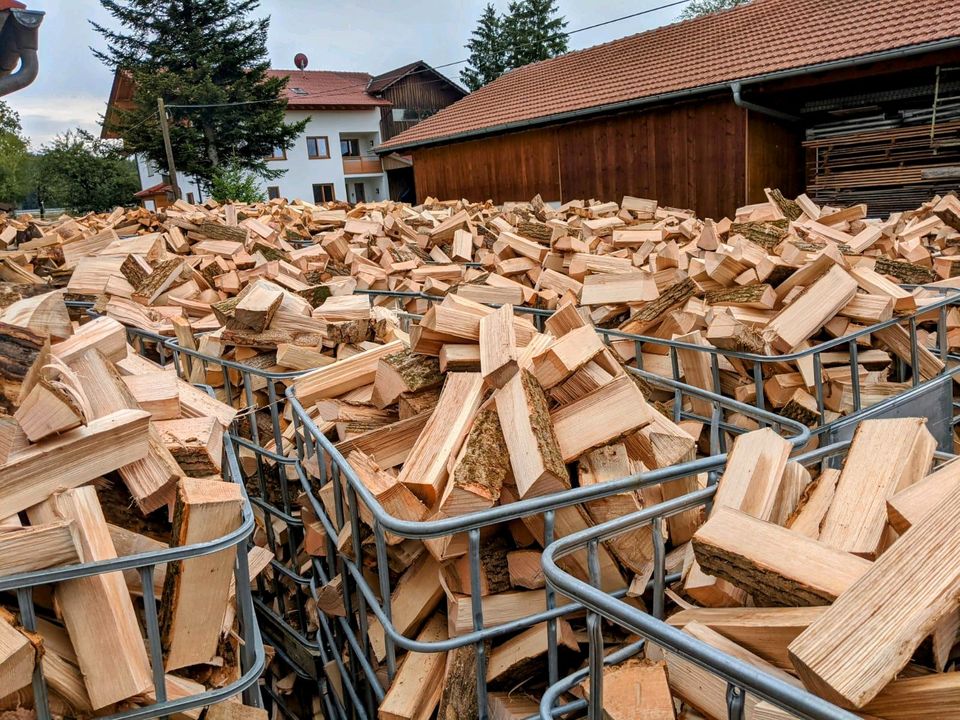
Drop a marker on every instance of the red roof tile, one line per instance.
(755, 39)
(327, 88)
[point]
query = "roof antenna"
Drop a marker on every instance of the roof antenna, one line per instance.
(300, 60)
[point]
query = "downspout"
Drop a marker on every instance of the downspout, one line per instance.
(736, 87)
(23, 25)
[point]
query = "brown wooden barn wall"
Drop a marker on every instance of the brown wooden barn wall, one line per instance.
(420, 91)
(774, 157)
(690, 155)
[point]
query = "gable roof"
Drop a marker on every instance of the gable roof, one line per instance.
(327, 89)
(381, 82)
(750, 41)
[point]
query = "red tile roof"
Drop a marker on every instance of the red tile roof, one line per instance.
(161, 187)
(755, 39)
(312, 89)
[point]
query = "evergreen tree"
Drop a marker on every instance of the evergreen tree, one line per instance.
(198, 52)
(533, 31)
(487, 61)
(707, 7)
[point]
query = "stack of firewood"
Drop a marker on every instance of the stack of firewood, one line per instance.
(105, 454)
(845, 584)
(490, 413)
(273, 285)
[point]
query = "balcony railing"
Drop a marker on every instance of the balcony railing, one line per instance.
(362, 165)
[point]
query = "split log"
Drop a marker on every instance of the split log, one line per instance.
(498, 347)
(196, 591)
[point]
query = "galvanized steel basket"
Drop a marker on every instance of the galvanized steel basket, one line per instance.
(741, 678)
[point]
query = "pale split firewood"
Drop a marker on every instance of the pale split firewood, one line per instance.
(425, 470)
(813, 504)
(394, 497)
(48, 409)
(897, 339)
(105, 334)
(414, 597)
(498, 347)
(349, 374)
(79, 456)
(634, 690)
(884, 617)
(97, 609)
(513, 661)
(157, 393)
(45, 315)
(567, 355)
(614, 411)
(39, 547)
(775, 565)
(404, 372)
(750, 484)
(195, 443)
(511, 706)
(815, 306)
(257, 308)
(196, 591)
(633, 549)
(611, 288)
(535, 456)
(912, 503)
(885, 456)
(480, 468)
(19, 654)
(525, 569)
(697, 370)
(411, 695)
(765, 631)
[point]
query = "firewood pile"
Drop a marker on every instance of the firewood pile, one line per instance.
(272, 285)
(843, 583)
(483, 410)
(104, 454)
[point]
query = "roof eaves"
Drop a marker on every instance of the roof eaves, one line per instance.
(903, 51)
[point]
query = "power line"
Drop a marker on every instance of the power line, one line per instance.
(331, 91)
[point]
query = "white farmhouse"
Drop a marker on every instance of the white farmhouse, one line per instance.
(334, 158)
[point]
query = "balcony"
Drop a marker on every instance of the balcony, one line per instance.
(362, 165)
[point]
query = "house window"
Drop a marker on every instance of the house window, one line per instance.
(278, 154)
(190, 198)
(273, 192)
(350, 147)
(411, 114)
(323, 192)
(318, 148)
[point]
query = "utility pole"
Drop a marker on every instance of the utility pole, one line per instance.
(171, 168)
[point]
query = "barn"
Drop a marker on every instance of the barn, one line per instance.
(846, 100)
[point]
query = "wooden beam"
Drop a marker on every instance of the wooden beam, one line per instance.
(196, 591)
(869, 634)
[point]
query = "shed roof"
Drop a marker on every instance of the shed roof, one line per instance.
(750, 41)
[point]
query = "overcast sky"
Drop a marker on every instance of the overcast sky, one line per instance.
(363, 35)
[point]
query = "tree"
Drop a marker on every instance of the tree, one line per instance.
(234, 183)
(14, 157)
(698, 8)
(83, 173)
(533, 31)
(209, 53)
(487, 59)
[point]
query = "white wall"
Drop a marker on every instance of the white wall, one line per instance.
(302, 172)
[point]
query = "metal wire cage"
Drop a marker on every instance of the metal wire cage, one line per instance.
(367, 602)
(736, 684)
(145, 565)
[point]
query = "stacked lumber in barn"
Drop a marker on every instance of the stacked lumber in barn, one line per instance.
(104, 454)
(842, 582)
(481, 410)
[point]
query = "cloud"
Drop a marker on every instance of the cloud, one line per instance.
(44, 117)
